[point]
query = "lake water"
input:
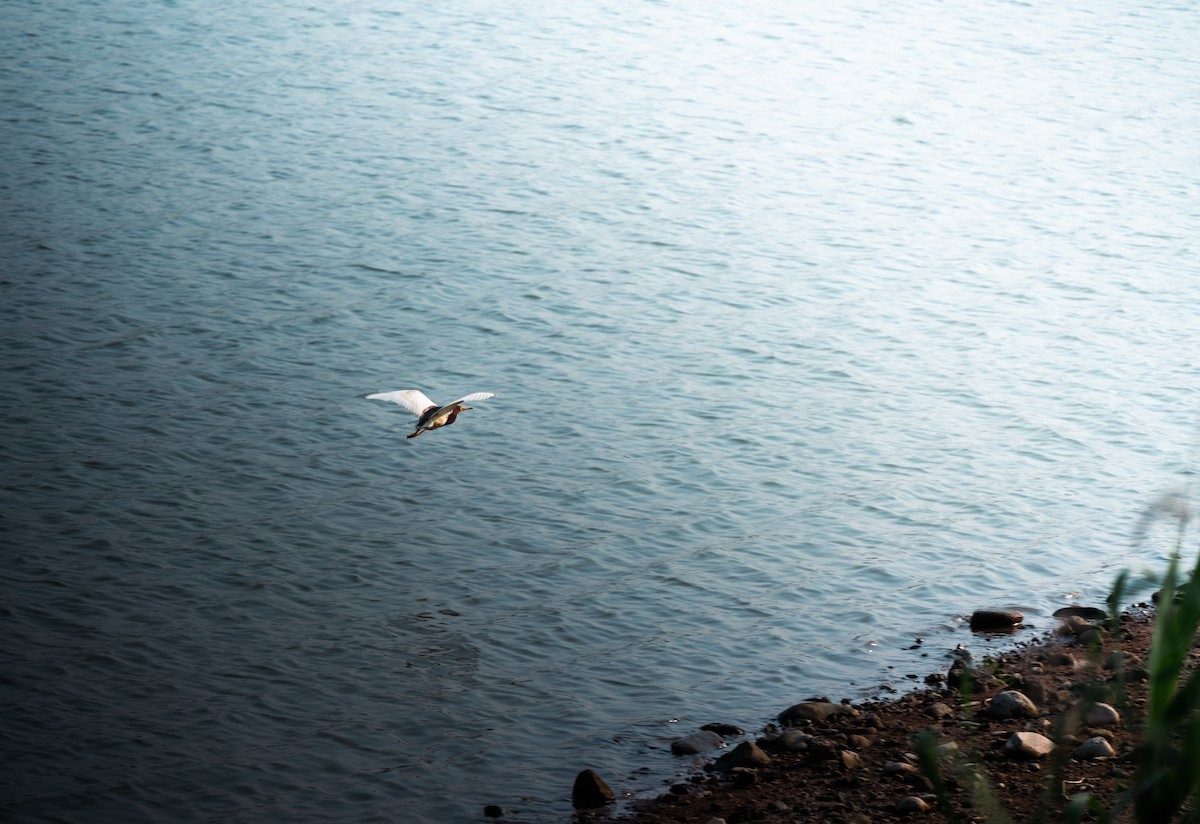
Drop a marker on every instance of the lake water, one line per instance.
(812, 328)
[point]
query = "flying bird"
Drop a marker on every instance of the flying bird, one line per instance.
(430, 415)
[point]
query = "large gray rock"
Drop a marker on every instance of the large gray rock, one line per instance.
(789, 741)
(1074, 625)
(1096, 747)
(995, 620)
(939, 710)
(977, 679)
(912, 805)
(590, 791)
(697, 742)
(745, 754)
(814, 711)
(724, 730)
(1119, 659)
(1086, 613)
(1060, 658)
(1035, 688)
(1011, 704)
(1028, 745)
(1102, 715)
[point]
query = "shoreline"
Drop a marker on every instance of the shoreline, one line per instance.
(840, 762)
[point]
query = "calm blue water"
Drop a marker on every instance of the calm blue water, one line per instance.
(812, 329)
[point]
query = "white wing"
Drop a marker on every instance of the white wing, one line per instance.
(414, 400)
(476, 396)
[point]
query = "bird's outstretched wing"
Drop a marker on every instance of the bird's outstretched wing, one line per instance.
(475, 396)
(414, 400)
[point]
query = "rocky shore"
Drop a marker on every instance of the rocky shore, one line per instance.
(1014, 716)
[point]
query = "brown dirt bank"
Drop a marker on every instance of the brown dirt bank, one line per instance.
(859, 766)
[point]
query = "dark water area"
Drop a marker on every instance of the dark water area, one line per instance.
(811, 330)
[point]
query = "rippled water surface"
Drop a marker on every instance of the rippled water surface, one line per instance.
(812, 329)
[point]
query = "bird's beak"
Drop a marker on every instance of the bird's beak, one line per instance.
(464, 408)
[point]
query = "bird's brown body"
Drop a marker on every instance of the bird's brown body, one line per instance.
(430, 420)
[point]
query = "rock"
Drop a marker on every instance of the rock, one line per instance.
(697, 742)
(1028, 745)
(980, 679)
(945, 748)
(1096, 747)
(724, 730)
(1102, 715)
(743, 777)
(1061, 659)
(850, 760)
(788, 741)
(1011, 704)
(859, 818)
(1035, 688)
(1086, 613)
(939, 710)
(822, 749)
(745, 754)
(1122, 660)
(900, 768)
(590, 791)
(493, 811)
(994, 620)
(778, 806)
(716, 821)
(860, 742)
(911, 806)
(1074, 625)
(814, 711)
